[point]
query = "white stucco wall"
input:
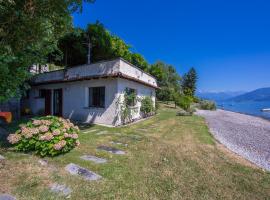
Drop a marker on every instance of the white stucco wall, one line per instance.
(75, 101)
(141, 90)
(75, 93)
(135, 72)
(106, 68)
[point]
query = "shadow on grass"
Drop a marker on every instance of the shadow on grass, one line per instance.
(6, 129)
(85, 126)
(3, 138)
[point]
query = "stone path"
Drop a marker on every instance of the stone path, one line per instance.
(2, 157)
(61, 190)
(6, 197)
(94, 159)
(102, 133)
(90, 131)
(246, 135)
(85, 173)
(119, 143)
(111, 150)
(43, 162)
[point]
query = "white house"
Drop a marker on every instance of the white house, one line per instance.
(90, 93)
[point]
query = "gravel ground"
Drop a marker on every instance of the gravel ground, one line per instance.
(246, 135)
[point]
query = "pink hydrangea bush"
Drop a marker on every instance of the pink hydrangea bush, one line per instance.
(47, 136)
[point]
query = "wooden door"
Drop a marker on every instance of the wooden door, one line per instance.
(48, 95)
(58, 102)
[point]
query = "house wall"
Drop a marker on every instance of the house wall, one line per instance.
(75, 101)
(141, 90)
(97, 69)
(135, 72)
(75, 83)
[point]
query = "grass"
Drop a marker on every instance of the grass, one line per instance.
(168, 157)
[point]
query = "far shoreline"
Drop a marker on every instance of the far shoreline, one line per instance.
(243, 113)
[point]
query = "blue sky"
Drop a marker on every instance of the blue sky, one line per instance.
(227, 41)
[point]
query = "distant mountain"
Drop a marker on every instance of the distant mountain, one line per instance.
(218, 96)
(262, 94)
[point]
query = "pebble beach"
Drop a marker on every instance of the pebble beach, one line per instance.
(246, 135)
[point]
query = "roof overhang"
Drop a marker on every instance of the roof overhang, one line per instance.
(115, 75)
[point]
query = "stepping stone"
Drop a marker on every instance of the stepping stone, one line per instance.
(43, 162)
(111, 150)
(119, 143)
(2, 157)
(102, 133)
(94, 159)
(85, 173)
(61, 190)
(90, 131)
(6, 197)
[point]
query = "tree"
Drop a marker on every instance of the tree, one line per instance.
(72, 49)
(105, 46)
(168, 80)
(139, 61)
(29, 31)
(189, 83)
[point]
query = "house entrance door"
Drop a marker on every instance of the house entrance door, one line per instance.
(57, 102)
(48, 95)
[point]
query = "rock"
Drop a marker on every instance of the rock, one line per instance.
(111, 150)
(89, 131)
(102, 133)
(2, 157)
(43, 162)
(94, 159)
(85, 173)
(119, 143)
(6, 197)
(61, 190)
(183, 113)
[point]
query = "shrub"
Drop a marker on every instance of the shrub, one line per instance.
(207, 105)
(183, 113)
(183, 102)
(46, 136)
(147, 106)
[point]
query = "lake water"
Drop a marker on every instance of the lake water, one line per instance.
(248, 107)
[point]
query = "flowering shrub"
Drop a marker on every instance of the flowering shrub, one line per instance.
(47, 136)
(147, 106)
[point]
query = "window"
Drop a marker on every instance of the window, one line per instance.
(97, 97)
(130, 95)
(42, 93)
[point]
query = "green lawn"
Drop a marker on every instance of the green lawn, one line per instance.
(168, 157)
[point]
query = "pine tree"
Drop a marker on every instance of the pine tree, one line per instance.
(189, 82)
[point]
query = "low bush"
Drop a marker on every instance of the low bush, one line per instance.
(207, 105)
(183, 113)
(46, 136)
(183, 102)
(147, 106)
